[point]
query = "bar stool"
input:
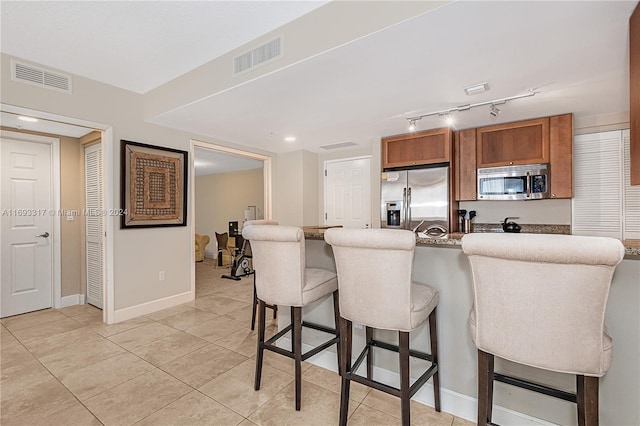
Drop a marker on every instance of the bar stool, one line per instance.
(540, 300)
(283, 279)
(374, 278)
(248, 252)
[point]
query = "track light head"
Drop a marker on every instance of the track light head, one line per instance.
(494, 110)
(412, 125)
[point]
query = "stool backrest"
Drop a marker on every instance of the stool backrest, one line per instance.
(374, 269)
(279, 262)
(246, 249)
(259, 222)
(540, 300)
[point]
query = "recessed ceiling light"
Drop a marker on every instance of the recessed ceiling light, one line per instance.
(477, 88)
(29, 119)
(290, 139)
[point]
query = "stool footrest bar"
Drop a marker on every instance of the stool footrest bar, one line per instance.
(535, 387)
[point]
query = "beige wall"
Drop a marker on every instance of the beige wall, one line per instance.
(71, 196)
(223, 197)
(288, 189)
(309, 198)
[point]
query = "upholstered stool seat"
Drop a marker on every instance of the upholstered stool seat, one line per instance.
(540, 301)
(282, 278)
(374, 278)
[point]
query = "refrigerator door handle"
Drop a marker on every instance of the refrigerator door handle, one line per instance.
(408, 224)
(404, 208)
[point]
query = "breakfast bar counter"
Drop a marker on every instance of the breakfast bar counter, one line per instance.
(448, 271)
(632, 247)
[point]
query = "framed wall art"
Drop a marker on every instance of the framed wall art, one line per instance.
(153, 186)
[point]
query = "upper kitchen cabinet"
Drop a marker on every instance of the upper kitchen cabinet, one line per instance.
(465, 165)
(634, 89)
(561, 155)
(522, 142)
(421, 148)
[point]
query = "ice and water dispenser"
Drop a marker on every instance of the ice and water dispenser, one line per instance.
(393, 213)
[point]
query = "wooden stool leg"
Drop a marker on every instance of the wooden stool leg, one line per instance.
(336, 319)
(369, 338)
(405, 400)
(433, 337)
(485, 387)
(587, 396)
(296, 320)
(345, 363)
(255, 303)
(260, 350)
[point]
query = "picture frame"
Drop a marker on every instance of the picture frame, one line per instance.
(153, 186)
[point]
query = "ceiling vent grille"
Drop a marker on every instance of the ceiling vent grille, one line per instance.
(37, 76)
(338, 145)
(261, 55)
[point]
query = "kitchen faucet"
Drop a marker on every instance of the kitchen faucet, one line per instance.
(415, 228)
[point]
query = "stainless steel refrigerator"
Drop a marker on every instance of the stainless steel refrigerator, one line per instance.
(412, 197)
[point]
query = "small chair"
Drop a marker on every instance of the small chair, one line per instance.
(249, 253)
(540, 300)
(283, 279)
(201, 244)
(224, 249)
(374, 278)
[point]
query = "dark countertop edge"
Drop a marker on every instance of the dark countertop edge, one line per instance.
(452, 240)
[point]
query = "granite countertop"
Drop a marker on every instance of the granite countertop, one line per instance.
(454, 239)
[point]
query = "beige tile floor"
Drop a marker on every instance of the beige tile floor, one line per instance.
(188, 365)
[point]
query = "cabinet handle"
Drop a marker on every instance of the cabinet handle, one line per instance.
(553, 195)
(510, 162)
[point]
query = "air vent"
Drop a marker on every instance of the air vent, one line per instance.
(338, 145)
(37, 76)
(261, 55)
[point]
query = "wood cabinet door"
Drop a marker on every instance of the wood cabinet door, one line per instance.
(428, 147)
(397, 151)
(634, 90)
(465, 165)
(522, 142)
(561, 155)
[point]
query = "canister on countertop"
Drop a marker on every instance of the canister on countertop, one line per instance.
(467, 223)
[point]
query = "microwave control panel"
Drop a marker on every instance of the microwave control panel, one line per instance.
(538, 184)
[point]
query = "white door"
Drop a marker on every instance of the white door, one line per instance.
(26, 242)
(348, 193)
(94, 233)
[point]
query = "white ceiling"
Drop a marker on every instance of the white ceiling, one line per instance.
(575, 53)
(43, 126)
(137, 45)
(208, 161)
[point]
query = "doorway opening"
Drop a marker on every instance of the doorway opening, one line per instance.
(68, 284)
(229, 187)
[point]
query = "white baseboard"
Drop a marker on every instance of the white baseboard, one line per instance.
(73, 299)
(151, 307)
(452, 402)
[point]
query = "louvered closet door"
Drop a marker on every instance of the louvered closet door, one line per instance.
(94, 223)
(597, 207)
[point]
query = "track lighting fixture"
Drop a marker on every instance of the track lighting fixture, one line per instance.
(493, 109)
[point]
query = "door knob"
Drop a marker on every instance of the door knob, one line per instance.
(45, 235)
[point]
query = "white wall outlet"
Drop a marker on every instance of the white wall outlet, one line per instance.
(161, 276)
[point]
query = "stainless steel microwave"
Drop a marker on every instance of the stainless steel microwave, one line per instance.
(529, 182)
